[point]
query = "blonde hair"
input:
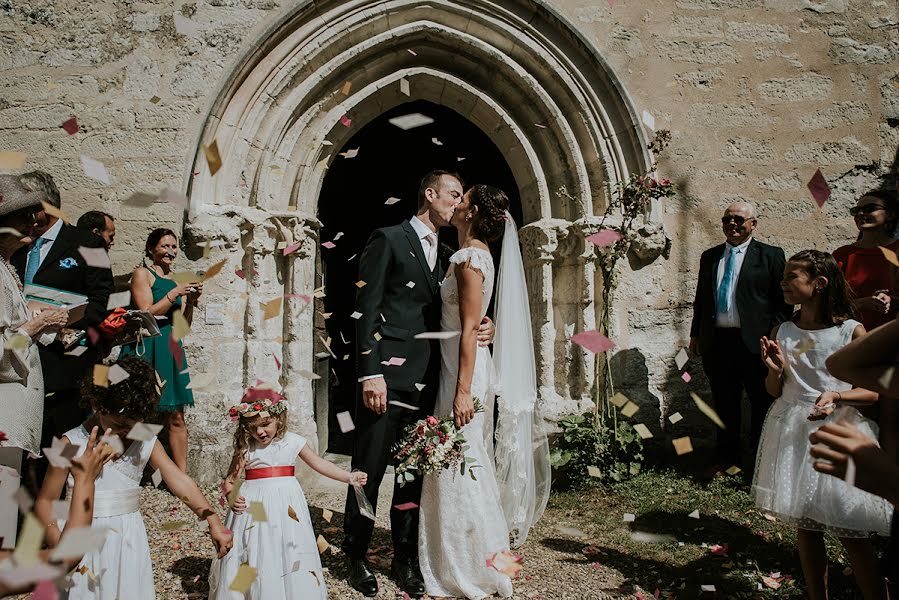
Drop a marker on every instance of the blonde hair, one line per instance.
(242, 433)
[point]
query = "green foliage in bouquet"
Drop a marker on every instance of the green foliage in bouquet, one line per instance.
(614, 449)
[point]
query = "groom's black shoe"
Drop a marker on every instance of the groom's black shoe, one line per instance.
(362, 579)
(408, 576)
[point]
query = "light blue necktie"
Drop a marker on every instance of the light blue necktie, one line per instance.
(34, 260)
(727, 282)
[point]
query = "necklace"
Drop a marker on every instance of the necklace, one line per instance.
(12, 272)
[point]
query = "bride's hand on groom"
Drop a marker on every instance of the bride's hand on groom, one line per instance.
(374, 395)
(486, 331)
(463, 409)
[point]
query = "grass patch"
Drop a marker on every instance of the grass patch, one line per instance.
(666, 549)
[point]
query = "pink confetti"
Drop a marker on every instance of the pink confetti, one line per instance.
(196, 579)
(71, 126)
(819, 188)
(396, 361)
(686, 377)
(605, 237)
(239, 273)
(593, 341)
(329, 245)
(253, 394)
(346, 121)
(719, 550)
(92, 335)
(292, 248)
(405, 506)
(277, 362)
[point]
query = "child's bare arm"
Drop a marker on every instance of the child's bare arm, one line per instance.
(329, 469)
(54, 481)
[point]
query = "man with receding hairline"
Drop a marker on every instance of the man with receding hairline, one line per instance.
(738, 300)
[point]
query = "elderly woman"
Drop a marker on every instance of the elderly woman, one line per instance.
(21, 382)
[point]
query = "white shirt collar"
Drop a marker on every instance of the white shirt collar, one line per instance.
(420, 228)
(51, 233)
(741, 247)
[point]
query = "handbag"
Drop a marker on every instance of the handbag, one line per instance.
(129, 327)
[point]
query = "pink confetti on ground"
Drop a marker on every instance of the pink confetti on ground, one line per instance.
(346, 121)
(593, 341)
(686, 377)
(819, 188)
(605, 237)
(329, 245)
(71, 126)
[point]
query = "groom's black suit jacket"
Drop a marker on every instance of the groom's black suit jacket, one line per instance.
(400, 298)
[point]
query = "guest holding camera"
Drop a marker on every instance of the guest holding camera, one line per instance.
(153, 290)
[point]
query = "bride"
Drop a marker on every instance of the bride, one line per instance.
(464, 520)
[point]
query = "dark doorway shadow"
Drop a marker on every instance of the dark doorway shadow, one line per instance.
(390, 164)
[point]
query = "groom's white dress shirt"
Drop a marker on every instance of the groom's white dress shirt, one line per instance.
(422, 231)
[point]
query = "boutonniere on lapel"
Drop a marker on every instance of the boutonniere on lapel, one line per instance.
(68, 263)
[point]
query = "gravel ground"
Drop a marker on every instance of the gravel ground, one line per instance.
(554, 566)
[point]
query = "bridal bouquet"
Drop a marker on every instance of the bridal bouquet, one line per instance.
(432, 445)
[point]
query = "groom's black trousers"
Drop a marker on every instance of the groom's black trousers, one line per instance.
(375, 436)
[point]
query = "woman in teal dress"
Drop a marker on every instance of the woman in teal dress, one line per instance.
(154, 292)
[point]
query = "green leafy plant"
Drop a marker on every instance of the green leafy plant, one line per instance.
(589, 452)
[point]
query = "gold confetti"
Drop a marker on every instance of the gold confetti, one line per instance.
(155, 99)
(292, 513)
(361, 284)
(257, 511)
(180, 326)
(890, 256)
(322, 544)
(327, 514)
(272, 308)
(630, 409)
(101, 376)
(212, 157)
(245, 577)
(619, 399)
(55, 212)
(682, 445)
(643, 431)
(594, 471)
(707, 410)
(346, 88)
(173, 525)
(214, 269)
(12, 161)
(733, 470)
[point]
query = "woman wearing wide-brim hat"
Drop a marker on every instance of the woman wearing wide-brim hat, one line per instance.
(21, 381)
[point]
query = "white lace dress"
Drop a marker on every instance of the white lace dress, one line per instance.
(785, 483)
(282, 548)
(461, 522)
(122, 567)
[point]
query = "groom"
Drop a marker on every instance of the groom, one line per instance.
(400, 298)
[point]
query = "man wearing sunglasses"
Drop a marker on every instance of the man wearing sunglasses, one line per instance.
(738, 300)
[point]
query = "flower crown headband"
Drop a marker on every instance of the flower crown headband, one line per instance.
(261, 401)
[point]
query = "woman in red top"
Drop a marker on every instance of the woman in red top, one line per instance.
(873, 279)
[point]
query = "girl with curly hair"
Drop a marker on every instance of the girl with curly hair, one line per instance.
(276, 537)
(122, 568)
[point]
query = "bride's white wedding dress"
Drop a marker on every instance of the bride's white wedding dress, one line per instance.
(461, 519)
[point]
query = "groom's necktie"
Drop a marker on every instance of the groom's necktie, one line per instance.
(34, 260)
(727, 282)
(432, 250)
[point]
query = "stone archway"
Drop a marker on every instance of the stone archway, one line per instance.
(514, 68)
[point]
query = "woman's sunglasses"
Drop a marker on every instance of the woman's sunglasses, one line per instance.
(866, 209)
(726, 219)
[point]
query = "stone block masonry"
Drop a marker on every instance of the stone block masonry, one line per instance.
(758, 94)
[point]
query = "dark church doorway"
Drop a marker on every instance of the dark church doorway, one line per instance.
(390, 164)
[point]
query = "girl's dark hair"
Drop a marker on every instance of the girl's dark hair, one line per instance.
(890, 200)
(242, 435)
(154, 237)
(492, 205)
(135, 397)
(836, 304)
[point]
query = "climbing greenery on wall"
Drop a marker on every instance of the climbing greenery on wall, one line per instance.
(596, 446)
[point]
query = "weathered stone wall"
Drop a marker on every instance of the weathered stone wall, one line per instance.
(757, 94)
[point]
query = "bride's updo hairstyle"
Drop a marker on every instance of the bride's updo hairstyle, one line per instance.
(492, 204)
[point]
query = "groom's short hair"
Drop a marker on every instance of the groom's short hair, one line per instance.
(432, 180)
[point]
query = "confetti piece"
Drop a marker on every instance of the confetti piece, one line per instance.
(605, 237)
(157, 478)
(329, 245)
(101, 376)
(681, 359)
(322, 543)
(733, 470)
(346, 121)
(619, 399)
(292, 513)
(213, 159)
(118, 299)
(649, 120)
(593, 341)
(272, 308)
(505, 562)
(410, 121)
(395, 361)
(694, 514)
(345, 422)
(309, 375)
(819, 189)
(419, 386)
(257, 512)
(350, 154)
(70, 126)
(436, 335)
(436, 142)
(155, 100)
(56, 212)
(804, 345)
(117, 374)
(405, 506)
(143, 432)
(886, 379)
(629, 517)
(360, 284)
(643, 431)
(345, 90)
(630, 409)
(29, 541)
(173, 525)
(404, 86)
(890, 256)
(245, 577)
(594, 471)
(707, 588)
(707, 410)
(79, 541)
(327, 514)
(17, 342)
(391, 201)
(12, 161)
(682, 445)
(675, 418)
(94, 169)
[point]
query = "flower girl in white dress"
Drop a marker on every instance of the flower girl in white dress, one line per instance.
(785, 482)
(122, 568)
(275, 537)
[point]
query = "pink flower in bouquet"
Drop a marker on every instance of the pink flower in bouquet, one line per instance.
(665, 182)
(432, 420)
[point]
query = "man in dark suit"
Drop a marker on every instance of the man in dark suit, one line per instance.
(53, 260)
(400, 298)
(738, 300)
